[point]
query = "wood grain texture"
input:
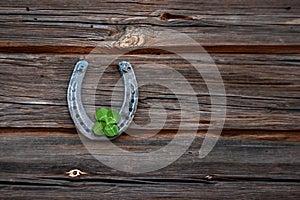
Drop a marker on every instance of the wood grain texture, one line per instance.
(255, 44)
(34, 162)
(211, 23)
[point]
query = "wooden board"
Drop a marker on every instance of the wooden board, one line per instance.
(255, 45)
(261, 89)
(34, 162)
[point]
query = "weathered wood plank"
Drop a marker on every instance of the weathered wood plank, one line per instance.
(33, 164)
(150, 190)
(86, 23)
(120, 189)
(51, 152)
(262, 90)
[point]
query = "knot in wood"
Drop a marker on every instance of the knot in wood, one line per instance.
(136, 40)
(75, 172)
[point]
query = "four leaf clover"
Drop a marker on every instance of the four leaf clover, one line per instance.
(107, 122)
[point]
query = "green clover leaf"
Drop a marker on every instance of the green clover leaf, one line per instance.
(107, 120)
(98, 128)
(110, 130)
(112, 117)
(101, 114)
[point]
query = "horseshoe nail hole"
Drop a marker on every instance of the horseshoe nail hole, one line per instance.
(73, 99)
(77, 116)
(130, 109)
(73, 90)
(75, 107)
(132, 87)
(87, 130)
(81, 123)
(80, 68)
(132, 100)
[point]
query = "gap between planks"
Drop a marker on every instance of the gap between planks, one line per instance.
(249, 49)
(268, 135)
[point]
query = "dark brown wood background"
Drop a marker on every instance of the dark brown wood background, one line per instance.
(256, 46)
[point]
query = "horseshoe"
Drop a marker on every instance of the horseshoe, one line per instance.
(83, 123)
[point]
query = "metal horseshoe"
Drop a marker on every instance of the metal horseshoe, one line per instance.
(83, 123)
